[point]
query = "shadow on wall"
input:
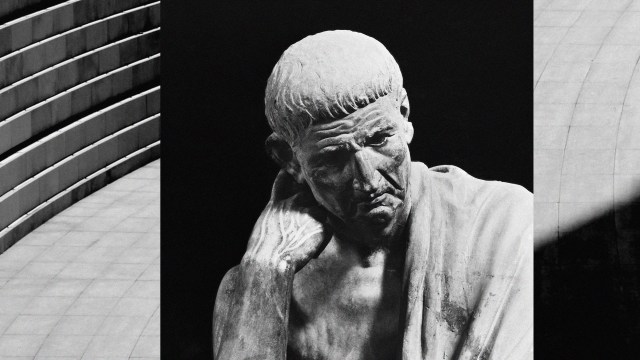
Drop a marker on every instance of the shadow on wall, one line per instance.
(587, 289)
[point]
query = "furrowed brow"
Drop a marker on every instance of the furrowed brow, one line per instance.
(335, 148)
(336, 141)
(334, 128)
(381, 128)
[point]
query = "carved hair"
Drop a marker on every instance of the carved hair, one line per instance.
(325, 77)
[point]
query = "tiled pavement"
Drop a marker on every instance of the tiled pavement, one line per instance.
(587, 111)
(86, 284)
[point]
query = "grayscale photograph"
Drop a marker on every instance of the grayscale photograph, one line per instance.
(358, 179)
(361, 253)
(79, 179)
(341, 180)
(587, 178)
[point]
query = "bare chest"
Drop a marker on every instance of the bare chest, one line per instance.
(345, 313)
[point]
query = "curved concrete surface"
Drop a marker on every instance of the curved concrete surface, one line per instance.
(587, 178)
(39, 155)
(11, 6)
(587, 110)
(50, 51)
(78, 99)
(55, 19)
(70, 70)
(75, 169)
(67, 74)
(86, 284)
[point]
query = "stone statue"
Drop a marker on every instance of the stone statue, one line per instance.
(361, 253)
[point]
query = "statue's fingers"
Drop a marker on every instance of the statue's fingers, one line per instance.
(262, 226)
(313, 248)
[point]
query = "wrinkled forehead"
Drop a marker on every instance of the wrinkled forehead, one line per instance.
(383, 113)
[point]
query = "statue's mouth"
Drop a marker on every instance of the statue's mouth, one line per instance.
(380, 209)
(380, 200)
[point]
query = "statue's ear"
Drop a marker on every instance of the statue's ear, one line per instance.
(405, 110)
(280, 151)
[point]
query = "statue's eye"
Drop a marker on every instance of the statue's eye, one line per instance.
(335, 158)
(378, 139)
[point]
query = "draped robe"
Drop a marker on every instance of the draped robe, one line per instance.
(468, 279)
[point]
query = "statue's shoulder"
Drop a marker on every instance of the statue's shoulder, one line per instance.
(488, 221)
(451, 182)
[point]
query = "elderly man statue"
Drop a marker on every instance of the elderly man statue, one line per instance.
(361, 253)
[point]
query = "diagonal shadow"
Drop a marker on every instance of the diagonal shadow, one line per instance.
(587, 289)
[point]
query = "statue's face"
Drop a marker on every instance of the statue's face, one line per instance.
(358, 168)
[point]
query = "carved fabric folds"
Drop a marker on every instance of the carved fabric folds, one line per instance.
(468, 277)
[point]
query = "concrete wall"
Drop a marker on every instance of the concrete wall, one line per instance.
(79, 104)
(8, 7)
(76, 41)
(81, 69)
(45, 23)
(587, 179)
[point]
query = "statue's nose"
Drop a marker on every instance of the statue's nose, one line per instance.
(364, 178)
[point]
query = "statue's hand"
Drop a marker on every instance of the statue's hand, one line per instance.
(291, 229)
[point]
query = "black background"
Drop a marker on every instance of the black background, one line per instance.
(467, 67)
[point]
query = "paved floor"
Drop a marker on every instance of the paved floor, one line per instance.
(587, 110)
(86, 284)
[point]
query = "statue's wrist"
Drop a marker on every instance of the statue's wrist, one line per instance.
(279, 265)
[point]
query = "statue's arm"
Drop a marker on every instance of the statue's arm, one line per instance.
(221, 308)
(251, 312)
(252, 308)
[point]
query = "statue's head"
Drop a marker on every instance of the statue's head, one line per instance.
(339, 116)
